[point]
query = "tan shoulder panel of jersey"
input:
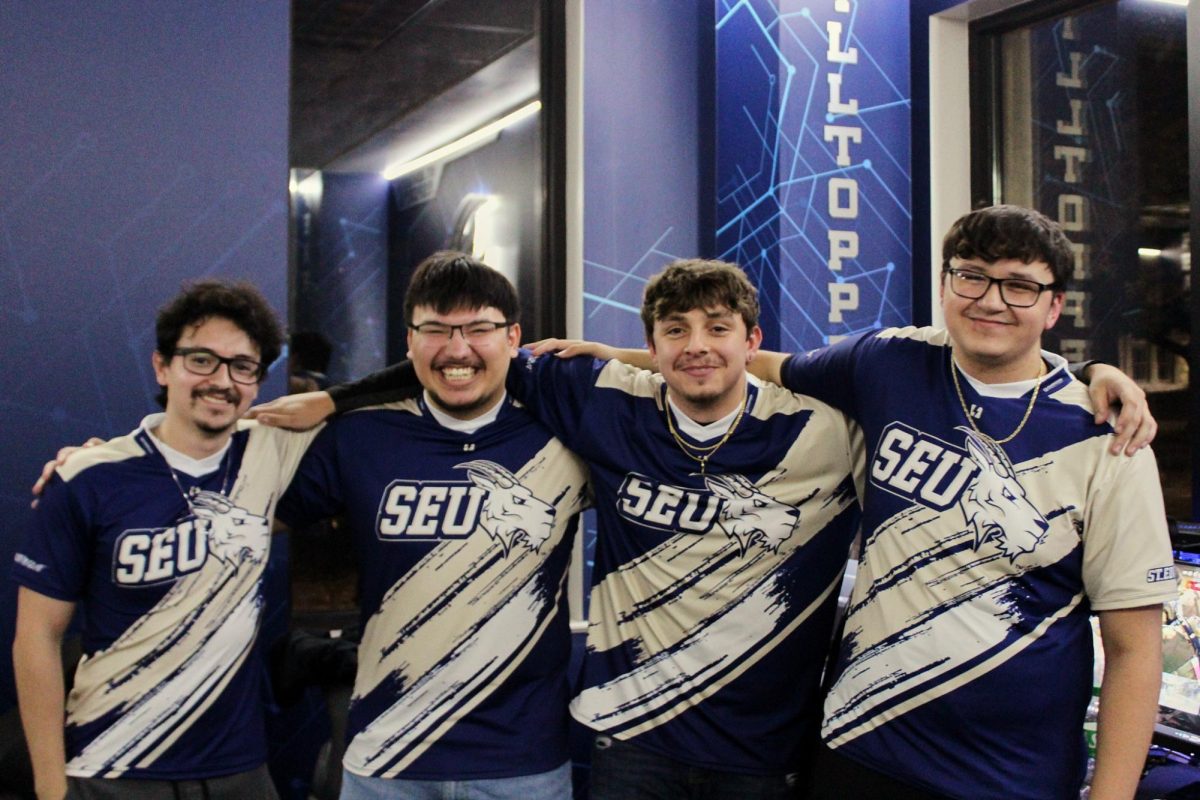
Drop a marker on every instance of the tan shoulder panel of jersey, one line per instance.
(111, 452)
(938, 336)
(631, 380)
(1074, 392)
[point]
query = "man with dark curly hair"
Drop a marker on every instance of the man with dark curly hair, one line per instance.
(161, 537)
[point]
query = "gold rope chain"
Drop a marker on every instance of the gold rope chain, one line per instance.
(1028, 410)
(706, 451)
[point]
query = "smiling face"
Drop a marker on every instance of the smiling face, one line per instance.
(205, 407)
(993, 341)
(702, 354)
(464, 375)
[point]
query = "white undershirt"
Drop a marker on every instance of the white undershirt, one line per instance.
(704, 432)
(464, 425)
(1016, 388)
(182, 462)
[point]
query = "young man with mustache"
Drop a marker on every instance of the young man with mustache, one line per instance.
(160, 538)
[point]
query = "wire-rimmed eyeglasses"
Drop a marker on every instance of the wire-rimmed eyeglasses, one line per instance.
(476, 331)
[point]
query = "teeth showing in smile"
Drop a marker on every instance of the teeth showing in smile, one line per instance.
(216, 399)
(458, 373)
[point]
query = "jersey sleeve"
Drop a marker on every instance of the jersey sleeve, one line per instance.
(1127, 559)
(555, 390)
(52, 558)
(315, 491)
(292, 446)
(388, 385)
(827, 373)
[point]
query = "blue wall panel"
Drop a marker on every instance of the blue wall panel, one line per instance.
(643, 174)
(143, 143)
(813, 163)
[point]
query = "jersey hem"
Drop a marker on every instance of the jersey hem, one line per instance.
(716, 766)
(457, 776)
(1132, 602)
(170, 775)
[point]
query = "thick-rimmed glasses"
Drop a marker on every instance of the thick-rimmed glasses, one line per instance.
(474, 332)
(1016, 292)
(202, 361)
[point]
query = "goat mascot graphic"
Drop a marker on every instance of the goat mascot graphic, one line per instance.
(512, 512)
(995, 505)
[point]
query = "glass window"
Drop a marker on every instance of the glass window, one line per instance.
(1084, 117)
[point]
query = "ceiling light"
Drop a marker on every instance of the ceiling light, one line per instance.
(465, 143)
(1149, 252)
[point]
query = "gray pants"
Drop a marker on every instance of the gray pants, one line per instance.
(253, 785)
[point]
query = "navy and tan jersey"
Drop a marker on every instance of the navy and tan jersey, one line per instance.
(463, 541)
(966, 663)
(712, 593)
(170, 590)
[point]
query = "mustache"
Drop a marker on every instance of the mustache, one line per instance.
(228, 395)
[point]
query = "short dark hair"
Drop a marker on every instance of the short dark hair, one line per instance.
(451, 281)
(693, 283)
(1005, 231)
(239, 302)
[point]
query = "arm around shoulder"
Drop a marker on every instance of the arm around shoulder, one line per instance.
(767, 365)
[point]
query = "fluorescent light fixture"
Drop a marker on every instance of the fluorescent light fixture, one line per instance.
(1173, 2)
(465, 143)
(1149, 252)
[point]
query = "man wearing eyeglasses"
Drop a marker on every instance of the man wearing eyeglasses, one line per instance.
(462, 511)
(996, 518)
(161, 538)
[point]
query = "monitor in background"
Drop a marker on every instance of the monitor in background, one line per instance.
(1179, 699)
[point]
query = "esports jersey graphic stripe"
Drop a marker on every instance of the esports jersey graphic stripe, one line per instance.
(712, 594)
(463, 540)
(170, 683)
(966, 663)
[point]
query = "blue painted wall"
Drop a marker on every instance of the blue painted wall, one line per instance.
(646, 127)
(142, 143)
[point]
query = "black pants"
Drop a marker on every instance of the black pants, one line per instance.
(253, 785)
(838, 778)
(624, 771)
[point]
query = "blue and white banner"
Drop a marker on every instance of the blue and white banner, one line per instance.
(813, 163)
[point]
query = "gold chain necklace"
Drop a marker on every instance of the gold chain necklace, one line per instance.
(702, 454)
(1028, 410)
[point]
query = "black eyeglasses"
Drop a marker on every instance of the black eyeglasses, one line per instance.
(202, 361)
(477, 331)
(1016, 292)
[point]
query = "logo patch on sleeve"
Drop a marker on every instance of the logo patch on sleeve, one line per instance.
(28, 563)
(1160, 574)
